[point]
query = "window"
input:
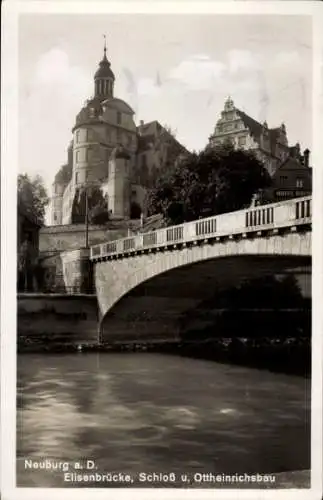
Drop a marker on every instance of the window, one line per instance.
(55, 217)
(77, 156)
(283, 178)
(227, 128)
(118, 118)
(89, 135)
(89, 154)
(299, 183)
(76, 178)
(119, 136)
(129, 140)
(242, 141)
(77, 136)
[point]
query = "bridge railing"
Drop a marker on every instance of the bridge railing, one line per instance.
(276, 215)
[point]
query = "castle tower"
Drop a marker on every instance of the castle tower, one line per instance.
(118, 186)
(56, 205)
(104, 78)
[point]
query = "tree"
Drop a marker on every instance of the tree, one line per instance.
(97, 206)
(164, 151)
(213, 181)
(27, 262)
(32, 196)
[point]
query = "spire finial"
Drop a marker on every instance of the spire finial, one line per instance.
(105, 47)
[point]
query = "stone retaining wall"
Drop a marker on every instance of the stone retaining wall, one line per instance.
(61, 320)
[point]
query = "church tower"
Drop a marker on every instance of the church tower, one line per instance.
(104, 78)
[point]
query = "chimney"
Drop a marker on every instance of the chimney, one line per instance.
(306, 157)
(141, 124)
(297, 150)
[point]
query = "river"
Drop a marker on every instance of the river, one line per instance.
(143, 412)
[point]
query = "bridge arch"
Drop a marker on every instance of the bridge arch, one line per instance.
(154, 290)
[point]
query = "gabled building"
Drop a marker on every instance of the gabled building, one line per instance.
(293, 178)
(289, 169)
(269, 144)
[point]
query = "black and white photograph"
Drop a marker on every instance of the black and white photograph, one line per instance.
(161, 247)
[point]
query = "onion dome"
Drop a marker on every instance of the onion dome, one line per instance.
(104, 70)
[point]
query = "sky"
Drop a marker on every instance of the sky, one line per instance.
(177, 69)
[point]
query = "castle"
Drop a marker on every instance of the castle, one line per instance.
(110, 152)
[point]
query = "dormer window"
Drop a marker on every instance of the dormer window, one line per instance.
(118, 118)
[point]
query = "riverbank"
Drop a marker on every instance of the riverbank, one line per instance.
(285, 355)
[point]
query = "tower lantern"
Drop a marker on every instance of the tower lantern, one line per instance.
(104, 77)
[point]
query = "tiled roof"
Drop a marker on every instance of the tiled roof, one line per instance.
(86, 115)
(292, 164)
(64, 175)
(255, 127)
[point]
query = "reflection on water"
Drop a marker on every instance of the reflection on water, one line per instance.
(149, 412)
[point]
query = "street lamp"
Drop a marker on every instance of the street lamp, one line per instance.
(86, 218)
(84, 189)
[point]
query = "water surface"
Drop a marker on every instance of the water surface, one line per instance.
(143, 412)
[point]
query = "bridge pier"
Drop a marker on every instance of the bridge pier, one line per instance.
(78, 271)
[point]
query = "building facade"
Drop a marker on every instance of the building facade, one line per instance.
(290, 170)
(293, 178)
(109, 151)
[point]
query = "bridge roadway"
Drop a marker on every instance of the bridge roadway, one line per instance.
(147, 282)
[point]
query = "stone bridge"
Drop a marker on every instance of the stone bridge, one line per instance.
(145, 283)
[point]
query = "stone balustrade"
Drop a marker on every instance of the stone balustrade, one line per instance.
(289, 213)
